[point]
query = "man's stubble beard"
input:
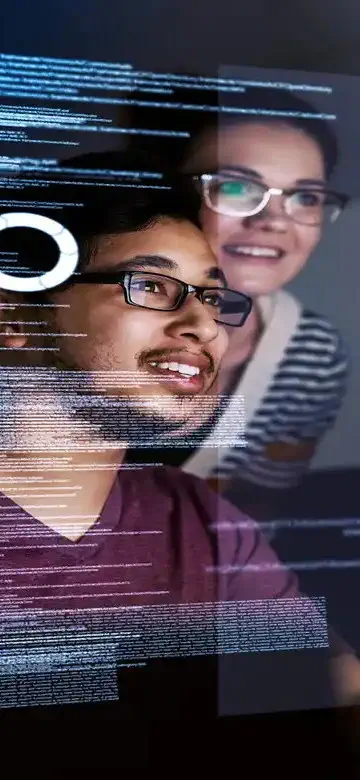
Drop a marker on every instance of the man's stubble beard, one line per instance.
(127, 418)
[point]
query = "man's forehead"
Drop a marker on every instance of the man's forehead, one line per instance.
(173, 247)
(178, 234)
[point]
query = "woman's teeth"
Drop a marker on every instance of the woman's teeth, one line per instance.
(256, 251)
(182, 368)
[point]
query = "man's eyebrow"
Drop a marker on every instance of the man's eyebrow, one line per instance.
(141, 262)
(144, 262)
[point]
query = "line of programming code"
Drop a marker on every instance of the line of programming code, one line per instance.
(67, 657)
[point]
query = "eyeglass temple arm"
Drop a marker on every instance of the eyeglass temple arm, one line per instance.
(97, 277)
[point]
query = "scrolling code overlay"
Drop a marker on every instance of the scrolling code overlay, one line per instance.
(70, 656)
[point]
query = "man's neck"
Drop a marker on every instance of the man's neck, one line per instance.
(64, 492)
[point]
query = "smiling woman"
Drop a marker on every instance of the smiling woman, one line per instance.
(262, 160)
(263, 222)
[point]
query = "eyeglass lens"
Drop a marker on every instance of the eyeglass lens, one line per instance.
(155, 291)
(244, 197)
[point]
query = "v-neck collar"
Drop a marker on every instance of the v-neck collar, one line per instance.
(91, 540)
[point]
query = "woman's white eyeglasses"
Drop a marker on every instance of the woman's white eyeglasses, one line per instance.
(240, 196)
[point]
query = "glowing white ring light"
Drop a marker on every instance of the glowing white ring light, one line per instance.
(68, 257)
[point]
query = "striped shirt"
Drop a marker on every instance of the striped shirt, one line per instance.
(300, 406)
(293, 387)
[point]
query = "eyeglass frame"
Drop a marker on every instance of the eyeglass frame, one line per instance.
(205, 178)
(124, 278)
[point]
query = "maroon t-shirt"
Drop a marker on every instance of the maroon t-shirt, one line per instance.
(162, 537)
(159, 563)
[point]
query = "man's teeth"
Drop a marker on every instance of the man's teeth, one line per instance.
(257, 251)
(182, 368)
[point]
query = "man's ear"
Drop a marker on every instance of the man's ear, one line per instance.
(12, 322)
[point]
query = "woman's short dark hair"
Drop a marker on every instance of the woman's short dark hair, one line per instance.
(275, 104)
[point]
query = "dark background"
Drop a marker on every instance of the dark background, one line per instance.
(196, 34)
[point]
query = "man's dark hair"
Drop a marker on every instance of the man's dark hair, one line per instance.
(132, 208)
(279, 104)
(126, 208)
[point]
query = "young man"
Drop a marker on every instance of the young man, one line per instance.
(120, 355)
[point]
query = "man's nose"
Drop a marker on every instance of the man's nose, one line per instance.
(273, 216)
(194, 321)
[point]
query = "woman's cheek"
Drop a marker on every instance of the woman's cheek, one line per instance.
(308, 239)
(223, 341)
(213, 227)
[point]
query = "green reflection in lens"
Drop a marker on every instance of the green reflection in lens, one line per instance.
(234, 188)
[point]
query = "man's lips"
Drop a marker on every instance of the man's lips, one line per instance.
(196, 359)
(254, 251)
(183, 372)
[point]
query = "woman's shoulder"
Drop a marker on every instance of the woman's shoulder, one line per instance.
(313, 340)
(309, 323)
(317, 333)
(312, 319)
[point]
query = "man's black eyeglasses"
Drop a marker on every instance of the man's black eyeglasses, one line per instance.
(165, 293)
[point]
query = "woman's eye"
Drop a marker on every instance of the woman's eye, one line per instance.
(309, 199)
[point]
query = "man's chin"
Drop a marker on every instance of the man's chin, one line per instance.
(161, 418)
(139, 424)
(142, 420)
(178, 418)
